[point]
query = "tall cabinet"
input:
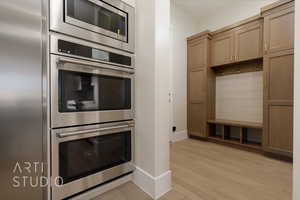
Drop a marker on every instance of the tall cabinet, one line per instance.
(199, 94)
(278, 72)
(263, 43)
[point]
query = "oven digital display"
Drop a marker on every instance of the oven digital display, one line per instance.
(89, 52)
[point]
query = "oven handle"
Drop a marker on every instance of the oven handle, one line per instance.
(63, 135)
(66, 60)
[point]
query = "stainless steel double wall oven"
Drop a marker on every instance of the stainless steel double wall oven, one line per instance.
(91, 93)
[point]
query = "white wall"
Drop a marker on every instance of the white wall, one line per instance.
(152, 63)
(182, 26)
(130, 2)
(152, 159)
(145, 93)
(232, 14)
(296, 184)
(162, 84)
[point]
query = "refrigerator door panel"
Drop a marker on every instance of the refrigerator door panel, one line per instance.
(21, 126)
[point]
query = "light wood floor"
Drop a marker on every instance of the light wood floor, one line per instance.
(208, 171)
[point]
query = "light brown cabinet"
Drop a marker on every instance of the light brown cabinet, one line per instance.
(222, 48)
(279, 79)
(280, 122)
(279, 30)
(279, 82)
(197, 83)
(198, 78)
(196, 54)
(197, 123)
(248, 41)
(279, 68)
(270, 36)
(241, 43)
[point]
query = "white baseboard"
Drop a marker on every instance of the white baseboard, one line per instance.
(155, 187)
(163, 184)
(178, 136)
(104, 188)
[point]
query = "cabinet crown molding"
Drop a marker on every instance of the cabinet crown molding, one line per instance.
(237, 24)
(281, 4)
(201, 35)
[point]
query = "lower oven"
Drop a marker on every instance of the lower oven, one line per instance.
(85, 157)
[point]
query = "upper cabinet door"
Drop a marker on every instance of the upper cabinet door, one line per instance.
(197, 54)
(279, 31)
(248, 41)
(222, 48)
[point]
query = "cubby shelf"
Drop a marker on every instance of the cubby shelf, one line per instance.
(246, 134)
(236, 123)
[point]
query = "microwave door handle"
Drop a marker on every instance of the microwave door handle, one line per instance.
(63, 135)
(66, 60)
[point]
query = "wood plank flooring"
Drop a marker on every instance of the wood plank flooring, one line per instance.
(208, 171)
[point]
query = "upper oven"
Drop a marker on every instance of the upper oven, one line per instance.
(86, 91)
(108, 22)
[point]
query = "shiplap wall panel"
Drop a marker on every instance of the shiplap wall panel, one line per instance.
(239, 97)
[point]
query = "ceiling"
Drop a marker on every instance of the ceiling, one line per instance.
(204, 8)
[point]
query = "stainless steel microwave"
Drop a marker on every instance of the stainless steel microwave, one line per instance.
(90, 84)
(107, 22)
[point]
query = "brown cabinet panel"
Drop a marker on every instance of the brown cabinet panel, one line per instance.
(281, 128)
(197, 122)
(197, 83)
(248, 41)
(280, 73)
(279, 31)
(196, 54)
(222, 48)
(279, 79)
(198, 74)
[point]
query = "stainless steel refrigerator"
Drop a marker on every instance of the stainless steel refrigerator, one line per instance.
(21, 98)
